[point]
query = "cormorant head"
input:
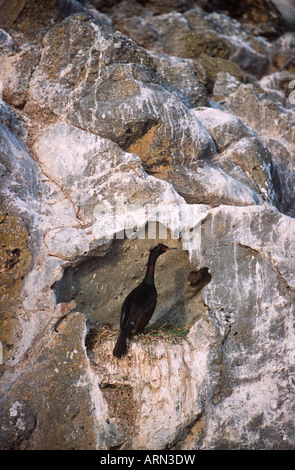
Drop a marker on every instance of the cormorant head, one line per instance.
(160, 248)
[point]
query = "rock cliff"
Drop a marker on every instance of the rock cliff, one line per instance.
(125, 123)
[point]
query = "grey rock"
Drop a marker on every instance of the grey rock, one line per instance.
(225, 84)
(180, 79)
(90, 283)
(209, 184)
(191, 33)
(86, 168)
(258, 17)
(18, 421)
(178, 138)
(11, 11)
(62, 405)
(225, 128)
(119, 95)
(166, 6)
(250, 53)
(177, 38)
(140, 29)
(208, 68)
(282, 155)
(15, 158)
(236, 327)
(13, 121)
(7, 44)
(277, 86)
(260, 112)
(70, 7)
(249, 56)
(15, 74)
(283, 52)
(255, 160)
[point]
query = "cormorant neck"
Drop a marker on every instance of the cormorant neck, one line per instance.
(149, 276)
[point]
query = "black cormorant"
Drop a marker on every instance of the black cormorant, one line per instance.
(139, 305)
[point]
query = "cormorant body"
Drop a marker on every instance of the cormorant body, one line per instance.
(139, 305)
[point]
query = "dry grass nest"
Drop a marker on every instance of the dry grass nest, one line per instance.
(169, 333)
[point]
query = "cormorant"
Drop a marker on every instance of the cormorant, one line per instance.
(139, 305)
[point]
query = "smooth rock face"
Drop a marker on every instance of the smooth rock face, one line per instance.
(123, 124)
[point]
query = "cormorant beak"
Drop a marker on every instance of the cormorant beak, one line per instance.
(166, 249)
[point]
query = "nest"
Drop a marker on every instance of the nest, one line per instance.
(168, 333)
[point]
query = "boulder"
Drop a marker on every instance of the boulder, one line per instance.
(260, 112)
(210, 184)
(225, 128)
(89, 82)
(276, 85)
(209, 67)
(181, 79)
(282, 55)
(282, 154)
(87, 168)
(18, 422)
(178, 139)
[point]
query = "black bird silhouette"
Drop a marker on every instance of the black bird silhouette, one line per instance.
(139, 305)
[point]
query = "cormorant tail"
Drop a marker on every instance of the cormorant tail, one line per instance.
(122, 343)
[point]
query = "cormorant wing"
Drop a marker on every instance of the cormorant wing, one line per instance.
(138, 307)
